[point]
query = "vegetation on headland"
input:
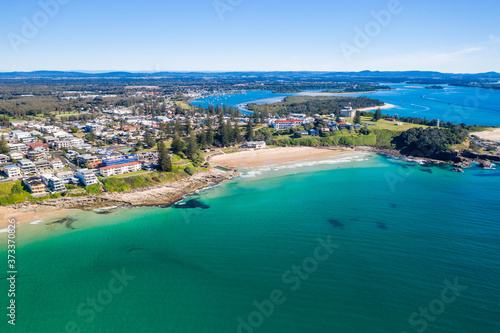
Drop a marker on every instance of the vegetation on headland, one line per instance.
(121, 184)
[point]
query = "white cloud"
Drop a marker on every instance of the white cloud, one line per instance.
(494, 39)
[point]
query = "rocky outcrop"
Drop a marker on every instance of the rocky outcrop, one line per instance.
(162, 195)
(458, 170)
(463, 164)
(485, 164)
(472, 155)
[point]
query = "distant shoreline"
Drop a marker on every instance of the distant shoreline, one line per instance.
(383, 107)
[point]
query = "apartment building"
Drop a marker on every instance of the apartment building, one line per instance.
(87, 177)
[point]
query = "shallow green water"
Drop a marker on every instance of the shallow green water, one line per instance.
(400, 231)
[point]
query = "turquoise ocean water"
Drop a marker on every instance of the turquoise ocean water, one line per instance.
(456, 104)
(398, 230)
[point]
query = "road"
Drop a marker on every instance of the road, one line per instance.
(58, 154)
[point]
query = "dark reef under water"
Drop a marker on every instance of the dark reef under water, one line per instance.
(382, 226)
(336, 223)
(191, 204)
(68, 221)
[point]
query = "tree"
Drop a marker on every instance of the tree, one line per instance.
(223, 134)
(236, 134)
(203, 140)
(357, 118)
(378, 115)
(249, 134)
(177, 144)
(337, 117)
(192, 150)
(91, 136)
(189, 128)
(148, 139)
(164, 160)
(4, 148)
(364, 130)
(210, 132)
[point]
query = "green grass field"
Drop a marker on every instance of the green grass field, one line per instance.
(13, 192)
(133, 181)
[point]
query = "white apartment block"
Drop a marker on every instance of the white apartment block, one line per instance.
(113, 170)
(87, 177)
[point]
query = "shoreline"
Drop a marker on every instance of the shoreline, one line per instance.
(164, 195)
(168, 194)
(270, 156)
(383, 107)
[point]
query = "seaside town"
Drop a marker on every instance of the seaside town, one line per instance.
(250, 166)
(67, 154)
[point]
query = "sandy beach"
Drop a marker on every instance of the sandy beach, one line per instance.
(253, 158)
(383, 107)
(32, 214)
(489, 135)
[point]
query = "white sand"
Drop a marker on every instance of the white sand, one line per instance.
(489, 135)
(270, 156)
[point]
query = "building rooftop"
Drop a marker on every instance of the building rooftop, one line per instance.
(120, 165)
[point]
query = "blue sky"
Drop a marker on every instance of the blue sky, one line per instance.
(161, 35)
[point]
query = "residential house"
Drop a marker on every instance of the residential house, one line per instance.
(86, 159)
(18, 147)
(286, 124)
(56, 164)
(68, 177)
(35, 185)
(12, 171)
(42, 165)
(61, 144)
(4, 158)
(256, 144)
(37, 154)
(54, 183)
(29, 139)
(27, 167)
(37, 144)
(15, 156)
(87, 177)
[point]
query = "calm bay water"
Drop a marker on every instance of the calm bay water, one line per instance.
(456, 104)
(401, 230)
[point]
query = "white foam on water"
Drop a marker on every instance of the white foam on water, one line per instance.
(358, 157)
(105, 208)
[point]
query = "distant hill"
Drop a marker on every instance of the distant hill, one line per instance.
(371, 75)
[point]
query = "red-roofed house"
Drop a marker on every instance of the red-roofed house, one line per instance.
(37, 144)
(286, 124)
